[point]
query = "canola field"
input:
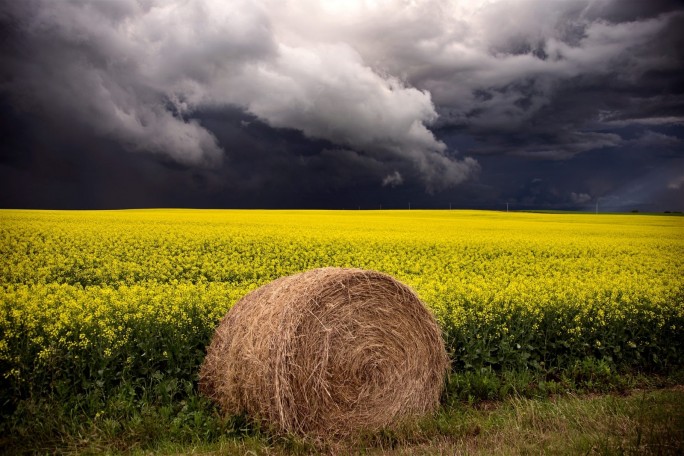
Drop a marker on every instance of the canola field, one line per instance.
(91, 300)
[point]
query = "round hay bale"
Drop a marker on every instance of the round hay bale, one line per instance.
(327, 353)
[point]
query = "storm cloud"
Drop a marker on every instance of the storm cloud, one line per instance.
(383, 97)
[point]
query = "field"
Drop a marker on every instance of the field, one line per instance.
(104, 315)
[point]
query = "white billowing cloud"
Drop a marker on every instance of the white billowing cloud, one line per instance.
(494, 66)
(373, 76)
(90, 63)
(440, 171)
(327, 92)
(454, 49)
(135, 72)
(393, 179)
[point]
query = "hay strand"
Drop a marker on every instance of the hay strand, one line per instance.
(328, 352)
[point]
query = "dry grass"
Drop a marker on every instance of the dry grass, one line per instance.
(327, 353)
(641, 422)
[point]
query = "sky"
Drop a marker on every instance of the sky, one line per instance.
(342, 104)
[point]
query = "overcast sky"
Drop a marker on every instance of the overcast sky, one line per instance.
(541, 104)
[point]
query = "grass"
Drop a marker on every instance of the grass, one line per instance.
(643, 422)
(584, 410)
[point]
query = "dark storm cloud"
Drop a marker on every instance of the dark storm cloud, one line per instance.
(138, 72)
(531, 77)
(336, 103)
